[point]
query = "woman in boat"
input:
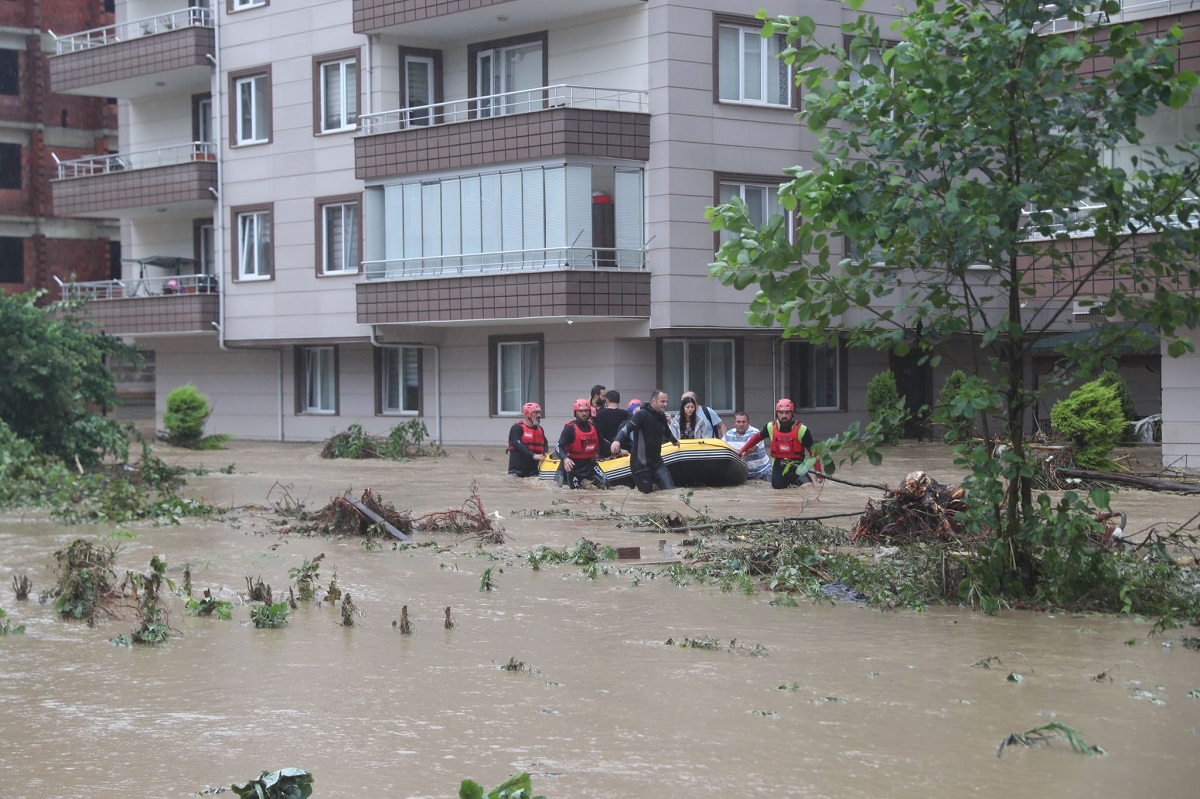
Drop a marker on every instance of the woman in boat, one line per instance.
(527, 443)
(689, 422)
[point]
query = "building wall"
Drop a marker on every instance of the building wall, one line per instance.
(1180, 408)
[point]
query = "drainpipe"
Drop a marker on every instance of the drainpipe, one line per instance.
(437, 377)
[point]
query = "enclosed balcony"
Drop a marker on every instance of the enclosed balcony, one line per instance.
(470, 19)
(162, 54)
(548, 122)
(165, 298)
(179, 178)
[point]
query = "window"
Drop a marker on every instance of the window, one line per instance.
(421, 83)
(251, 118)
(10, 166)
(515, 372)
(242, 5)
(12, 259)
(338, 236)
(701, 365)
(204, 248)
(749, 69)
(510, 68)
(816, 376)
(399, 370)
(316, 390)
(10, 72)
(337, 82)
(202, 118)
(252, 248)
(867, 68)
(761, 199)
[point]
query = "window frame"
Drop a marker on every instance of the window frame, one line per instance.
(319, 63)
(474, 49)
(204, 238)
(793, 359)
(235, 79)
(234, 6)
(11, 79)
(13, 161)
(321, 262)
(381, 380)
(17, 245)
(494, 376)
(302, 381)
(434, 57)
(236, 213)
(735, 377)
(753, 27)
(769, 182)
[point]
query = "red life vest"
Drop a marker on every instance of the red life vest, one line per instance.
(586, 444)
(534, 438)
(789, 446)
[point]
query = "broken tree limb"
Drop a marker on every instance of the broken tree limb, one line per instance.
(1131, 480)
(375, 517)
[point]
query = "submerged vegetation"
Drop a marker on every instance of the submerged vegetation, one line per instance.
(405, 440)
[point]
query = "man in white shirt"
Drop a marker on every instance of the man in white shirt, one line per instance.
(758, 463)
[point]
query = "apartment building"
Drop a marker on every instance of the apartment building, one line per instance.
(368, 211)
(36, 243)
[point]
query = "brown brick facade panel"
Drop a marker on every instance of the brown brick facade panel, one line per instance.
(147, 55)
(1085, 252)
(1155, 27)
(513, 296)
(374, 15)
(182, 313)
(553, 133)
(135, 188)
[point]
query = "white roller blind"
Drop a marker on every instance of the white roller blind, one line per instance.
(628, 197)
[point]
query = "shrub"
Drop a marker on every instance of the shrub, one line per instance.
(1113, 380)
(1091, 418)
(883, 400)
(958, 427)
(187, 414)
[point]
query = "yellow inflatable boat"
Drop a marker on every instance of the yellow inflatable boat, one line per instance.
(694, 462)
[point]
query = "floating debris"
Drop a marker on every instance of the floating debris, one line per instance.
(920, 509)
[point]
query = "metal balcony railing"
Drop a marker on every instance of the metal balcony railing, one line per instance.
(492, 263)
(147, 26)
(495, 105)
(145, 159)
(138, 287)
(1130, 10)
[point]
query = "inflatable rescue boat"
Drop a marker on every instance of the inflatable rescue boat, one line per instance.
(694, 462)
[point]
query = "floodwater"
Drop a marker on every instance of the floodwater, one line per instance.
(811, 701)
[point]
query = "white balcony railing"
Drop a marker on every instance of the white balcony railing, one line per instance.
(496, 105)
(147, 26)
(145, 159)
(138, 287)
(492, 263)
(1130, 10)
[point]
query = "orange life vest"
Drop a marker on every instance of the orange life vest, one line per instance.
(586, 444)
(534, 438)
(789, 446)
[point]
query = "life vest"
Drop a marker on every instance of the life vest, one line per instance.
(586, 444)
(534, 438)
(788, 446)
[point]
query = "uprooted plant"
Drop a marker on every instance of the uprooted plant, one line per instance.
(1047, 734)
(21, 587)
(147, 591)
(585, 553)
(287, 783)
(306, 576)
(269, 616)
(209, 605)
(7, 627)
(258, 591)
(404, 440)
(470, 519)
(87, 583)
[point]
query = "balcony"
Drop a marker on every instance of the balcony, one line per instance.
(549, 122)
(1130, 10)
(149, 306)
(182, 178)
(164, 54)
(470, 19)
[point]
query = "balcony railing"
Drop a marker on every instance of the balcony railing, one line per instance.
(145, 159)
(1075, 221)
(496, 105)
(147, 26)
(138, 287)
(1130, 10)
(493, 263)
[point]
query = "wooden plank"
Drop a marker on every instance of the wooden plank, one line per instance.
(375, 517)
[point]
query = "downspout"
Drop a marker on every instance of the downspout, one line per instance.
(219, 226)
(437, 377)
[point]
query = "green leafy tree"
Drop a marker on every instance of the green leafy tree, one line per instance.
(883, 397)
(56, 376)
(972, 134)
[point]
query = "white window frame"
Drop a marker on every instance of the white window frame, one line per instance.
(341, 254)
(750, 38)
(811, 378)
(497, 60)
(242, 5)
(254, 245)
(770, 196)
(400, 368)
(529, 370)
(346, 115)
(318, 380)
(424, 117)
(702, 384)
(260, 129)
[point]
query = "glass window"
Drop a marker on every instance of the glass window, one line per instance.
(749, 68)
(319, 379)
(509, 72)
(340, 238)
(400, 380)
(238, 5)
(339, 95)
(816, 376)
(254, 244)
(10, 72)
(519, 375)
(701, 365)
(12, 259)
(418, 88)
(762, 203)
(253, 111)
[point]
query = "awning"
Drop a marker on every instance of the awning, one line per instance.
(1136, 338)
(174, 263)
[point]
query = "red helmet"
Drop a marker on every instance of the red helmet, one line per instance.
(582, 405)
(785, 404)
(530, 407)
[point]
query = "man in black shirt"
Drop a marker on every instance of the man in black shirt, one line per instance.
(610, 418)
(647, 427)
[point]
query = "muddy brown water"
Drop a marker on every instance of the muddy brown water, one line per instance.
(846, 702)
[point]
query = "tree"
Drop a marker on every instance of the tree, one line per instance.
(978, 137)
(56, 376)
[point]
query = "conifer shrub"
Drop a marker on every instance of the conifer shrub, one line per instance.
(186, 415)
(883, 399)
(958, 427)
(1113, 380)
(1091, 419)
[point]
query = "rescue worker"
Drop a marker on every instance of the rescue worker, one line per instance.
(643, 434)
(527, 443)
(790, 444)
(577, 449)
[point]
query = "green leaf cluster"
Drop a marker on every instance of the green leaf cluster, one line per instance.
(287, 783)
(883, 402)
(960, 423)
(404, 440)
(518, 786)
(1091, 418)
